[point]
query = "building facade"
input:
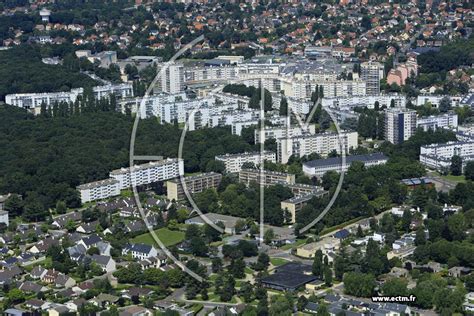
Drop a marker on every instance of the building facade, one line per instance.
(319, 167)
(233, 162)
(372, 72)
(321, 144)
(433, 122)
(438, 156)
(151, 172)
(99, 190)
(194, 184)
(400, 125)
(247, 176)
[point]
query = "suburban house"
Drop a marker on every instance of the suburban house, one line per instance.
(140, 251)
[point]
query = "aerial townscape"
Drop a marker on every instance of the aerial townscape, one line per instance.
(240, 157)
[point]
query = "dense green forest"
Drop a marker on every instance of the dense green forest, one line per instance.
(43, 158)
(450, 56)
(23, 71)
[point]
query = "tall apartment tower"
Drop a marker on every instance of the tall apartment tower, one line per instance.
(372, 72)
(400, 125)
(172, 79)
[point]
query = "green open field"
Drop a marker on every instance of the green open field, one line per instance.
(278, 261)
(450, 177)
(168, 237)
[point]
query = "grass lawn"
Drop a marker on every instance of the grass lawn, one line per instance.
(296, 244)
(167, 237)
(450, 177)
(278, 261)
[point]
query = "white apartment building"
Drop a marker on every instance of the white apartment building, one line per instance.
(147, 173)
(276, 132)
(321, 144)
(438, 156)
(434, 100)
(319, 167)
(237, 126)
(384, 100)
(99, 190)
(299, 106)
(172, 79)
(302, 89)
(372, 72)
(333, 88)
(210, 73)
(400, 125)
(433, 122)
(33, 101)
(233, 162)
(122, 90)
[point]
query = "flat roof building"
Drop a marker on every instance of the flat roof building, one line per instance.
(295, 204)
(400, 125)
(319, 167)
(228, 221)
(99, 190)
(233, 162)
(269, 177)
(194, 184)
(322, 144)
(147, 173)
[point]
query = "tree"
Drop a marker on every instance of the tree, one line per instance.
(317, 268)
(228, 289)
(457, 227)
(216, 264)
(322, 310)
(268, 236)
(327, 276)
(14, 206)
(339, 267)
(263, 261)
(469, 170)
(444, 104)
(280, 305)
(302, 302)
(61, 207)
(15, 296)
(375, 261)
(395, 287)
(359, 284)
(237, 268)
(456, 165)
(406, 220)
(283, 107)
(420, 237)
(246, 292)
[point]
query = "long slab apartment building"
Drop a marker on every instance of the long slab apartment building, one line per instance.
(321, 144)
(438, 156)
(194, 184)
(124, 178)
(319, 167)
(233, 162)
(33, 101)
